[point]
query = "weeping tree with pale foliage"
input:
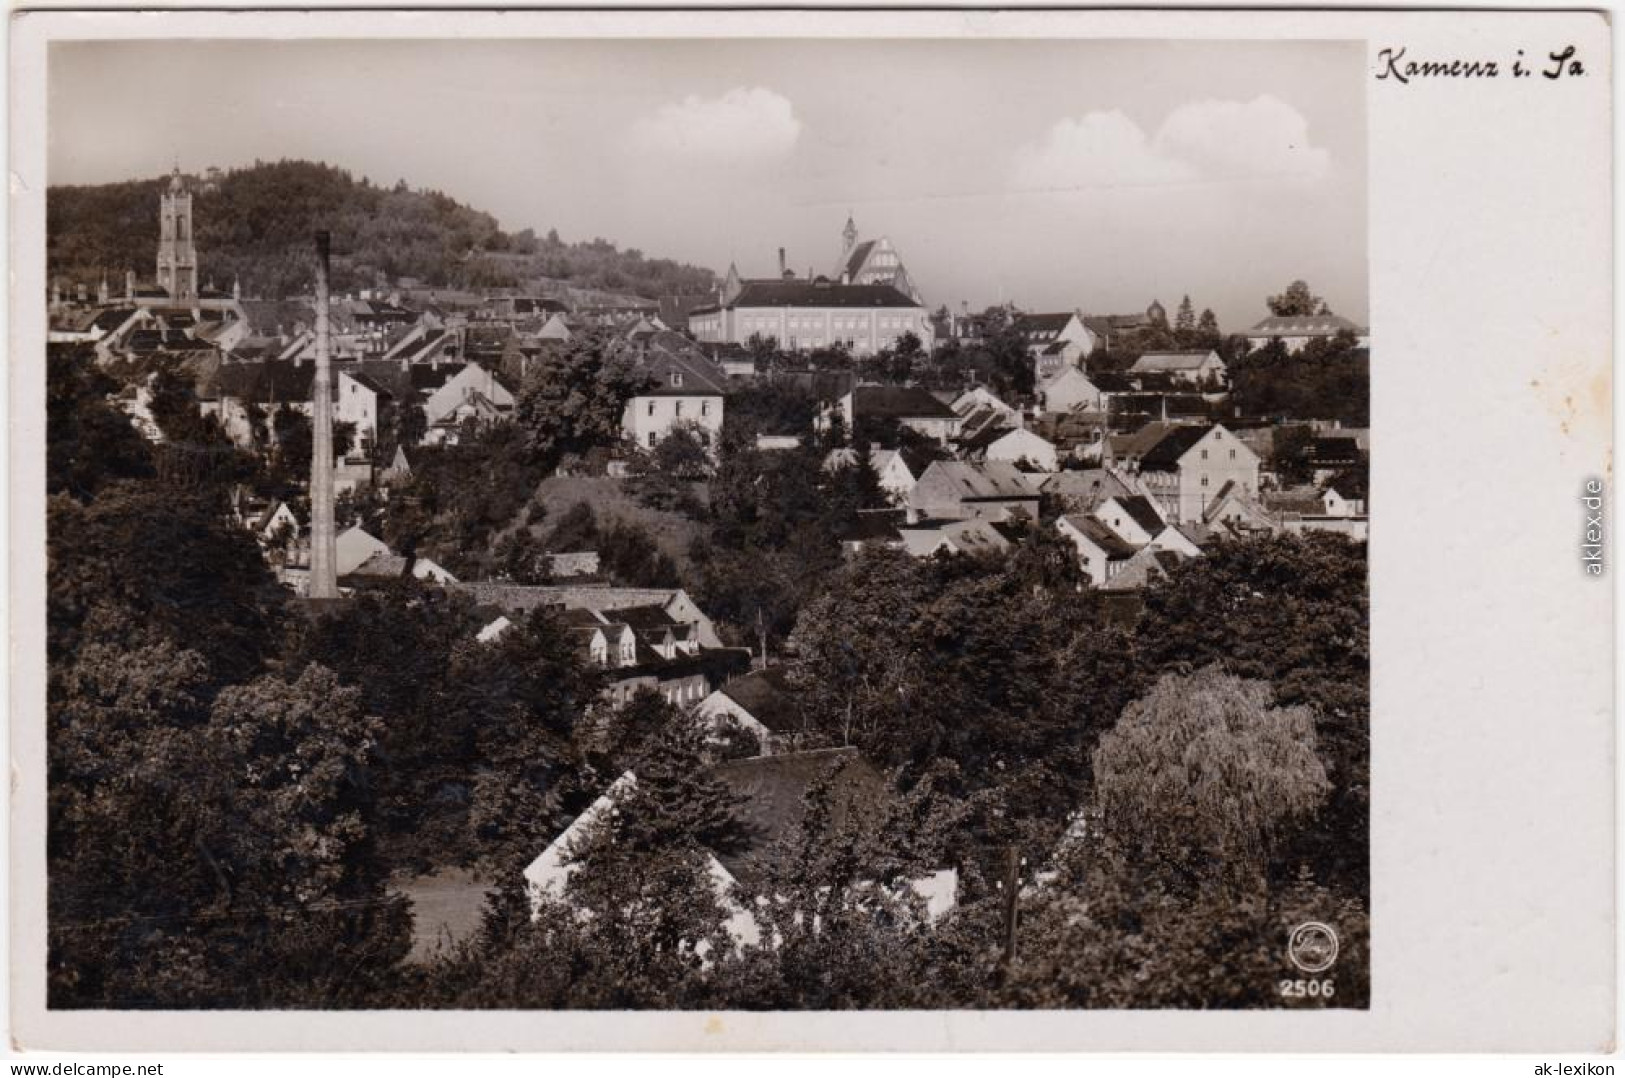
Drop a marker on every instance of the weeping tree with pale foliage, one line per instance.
(1203, 778)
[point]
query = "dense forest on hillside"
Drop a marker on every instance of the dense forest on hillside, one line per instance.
(256, 224)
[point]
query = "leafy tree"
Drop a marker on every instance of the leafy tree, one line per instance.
(836, 898)
(639, 915)
(894, 655)
(1204, 778)
(633, 729)
(291, 803)
(529, 688)
(1289, 453)
(630, 556)
(862, 479)
(463, 496)
(1328, 379)
(1296, 300)
(519, 556)
(142, 564)
(767, 406)
(1207, 327)
(404, 648)
(1100, 941)
(1185, 317)
(577, 529)
(1292, 611)
(763, 350)
(191, 841)
(574, 398)
(684, 453)
(88, 442)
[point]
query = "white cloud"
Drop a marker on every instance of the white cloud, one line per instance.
(1100, 149)
(743, 125)
(1199, 142)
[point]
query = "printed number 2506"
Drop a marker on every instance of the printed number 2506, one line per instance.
(1307, 989)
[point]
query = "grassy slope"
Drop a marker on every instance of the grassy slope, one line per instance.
(610, 500)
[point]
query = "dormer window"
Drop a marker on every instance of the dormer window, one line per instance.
(676, 378)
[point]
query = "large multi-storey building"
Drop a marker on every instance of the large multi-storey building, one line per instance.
(865, 305)
(802, 314)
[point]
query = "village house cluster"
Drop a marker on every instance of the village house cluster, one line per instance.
(1128, 467)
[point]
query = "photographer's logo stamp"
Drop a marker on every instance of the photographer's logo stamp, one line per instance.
(1312, 947)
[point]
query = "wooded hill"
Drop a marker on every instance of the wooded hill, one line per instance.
(256, 225)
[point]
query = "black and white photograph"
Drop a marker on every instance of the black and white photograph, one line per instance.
(746, 539)
(710, 524)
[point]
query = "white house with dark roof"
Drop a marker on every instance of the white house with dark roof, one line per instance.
(1190, 366)
(1079, 491)
(954, 537)
(772, 798)
(980, 398)
(555, 329)
(354, 546)
(682, 386)
(1187, 466)
(910, 406)
(1238, 512)
(1295, 331)
(1101, 552)
(362, 401)
(763, 704)
(1055, 341)
(602, 598)
(951, 490)
(387, 566)
(1148, 565)
(1069, 389)
(1021, 444)
(1132, 517)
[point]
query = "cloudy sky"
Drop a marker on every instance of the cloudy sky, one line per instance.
(1095, 175)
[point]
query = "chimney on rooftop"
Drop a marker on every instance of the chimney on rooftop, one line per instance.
(782, 269)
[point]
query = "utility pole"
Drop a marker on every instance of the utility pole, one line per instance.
(1012, 885)
(323, 541)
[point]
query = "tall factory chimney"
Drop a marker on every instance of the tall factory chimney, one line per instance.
(324, 582)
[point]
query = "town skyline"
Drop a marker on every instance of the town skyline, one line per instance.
(1233, 146)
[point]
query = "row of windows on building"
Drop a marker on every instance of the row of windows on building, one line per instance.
(684, 692)
(836, 323)
(677, 407)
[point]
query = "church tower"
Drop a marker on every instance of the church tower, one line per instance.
(850, 235)
(177, 257)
